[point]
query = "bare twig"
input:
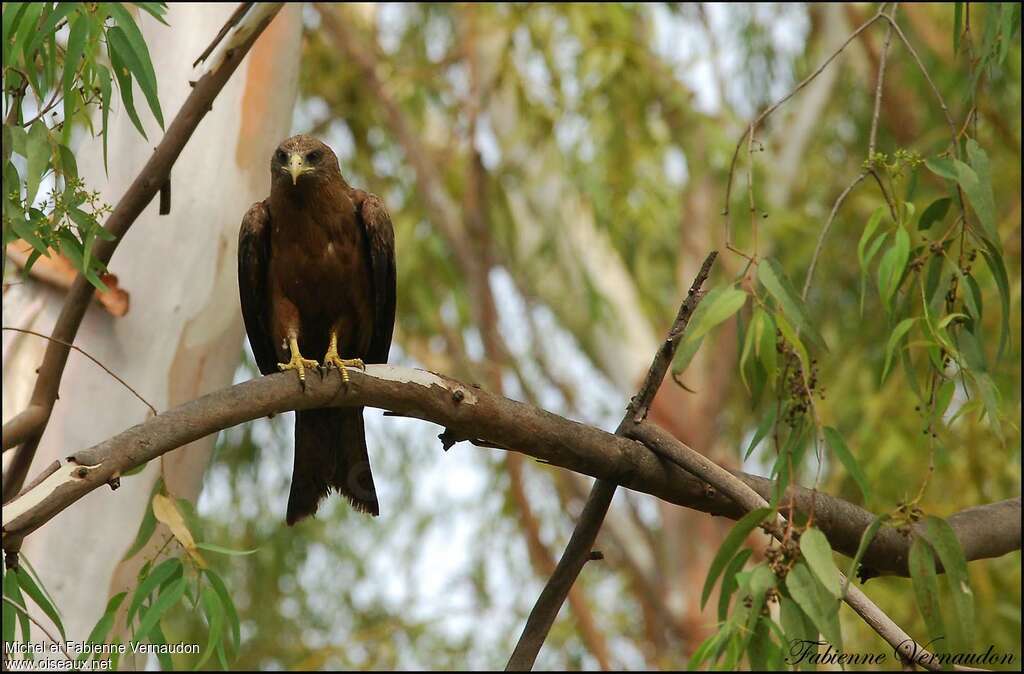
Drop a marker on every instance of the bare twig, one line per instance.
(577, 552)
(152, 176)
(752, 128)
(879, 81)
(90, 357)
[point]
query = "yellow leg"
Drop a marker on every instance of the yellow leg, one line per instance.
(332, 358)
(297, 362)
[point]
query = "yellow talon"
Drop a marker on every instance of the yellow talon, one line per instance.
(297, 362)
(332, 358)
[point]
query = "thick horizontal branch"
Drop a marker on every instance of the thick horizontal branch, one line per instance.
(471, 413)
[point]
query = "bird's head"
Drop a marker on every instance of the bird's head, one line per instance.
(302, 160)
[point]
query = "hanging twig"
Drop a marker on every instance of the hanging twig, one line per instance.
(90, 357)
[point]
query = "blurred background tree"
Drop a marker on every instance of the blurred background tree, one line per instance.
(555, 174)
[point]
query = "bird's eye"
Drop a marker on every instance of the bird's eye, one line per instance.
(281, 156)
(314, 156)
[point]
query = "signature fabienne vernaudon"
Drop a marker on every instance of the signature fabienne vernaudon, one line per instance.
(805, 651)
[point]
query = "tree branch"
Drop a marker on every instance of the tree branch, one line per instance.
(149, 181)
(468, 412)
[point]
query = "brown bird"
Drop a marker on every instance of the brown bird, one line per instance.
(316, 275)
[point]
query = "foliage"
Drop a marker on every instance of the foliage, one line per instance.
(60, 60)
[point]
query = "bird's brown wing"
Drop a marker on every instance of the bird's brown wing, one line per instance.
(253, 263)
(380, 240)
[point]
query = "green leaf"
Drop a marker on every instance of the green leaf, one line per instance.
(898, 333)
(758, 644)
(972, 297)
(798, 627)
(867, 260)
(942, 398)
(35, 576)
(212, 547)
(729, 582)
(46, 30)
(168, 598)
(128, 39)
(935, 212)
(714, 309)
(37, 147)
(711, 647)
(28, 26)
(942, 167)
(971, 350)
(940, 536)
(890, 269)
(981, 196)
(155, 9)
(72, 56)
(760, 580)
(68, 164)
(156, 636)
(763, 429)
(728, 549)
(684, 354)
(994, 259)
(12, 590)
(32, 590)
(215, 619)
(818, 555)
(122, 74)
(146, 529)
(816, 601)
(12, 15)
(710, 312)
(10, 585)
(102, 629)
(229, 606)
(766, 347)
(865, 541)
(771, 276)
(749, 339)
(926, 587)
(169, 568)
(103, 79)
(794, 341)
(869, 231)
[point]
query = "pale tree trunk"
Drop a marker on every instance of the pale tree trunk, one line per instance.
(182, 336)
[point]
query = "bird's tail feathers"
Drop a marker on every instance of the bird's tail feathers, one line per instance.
(330, 453)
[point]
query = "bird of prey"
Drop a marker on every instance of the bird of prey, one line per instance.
(316, 277)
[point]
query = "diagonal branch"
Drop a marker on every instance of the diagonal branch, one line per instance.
(577, 552)
(149, 181)
(666, 445)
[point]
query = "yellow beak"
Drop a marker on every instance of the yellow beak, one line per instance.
(296, 167)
